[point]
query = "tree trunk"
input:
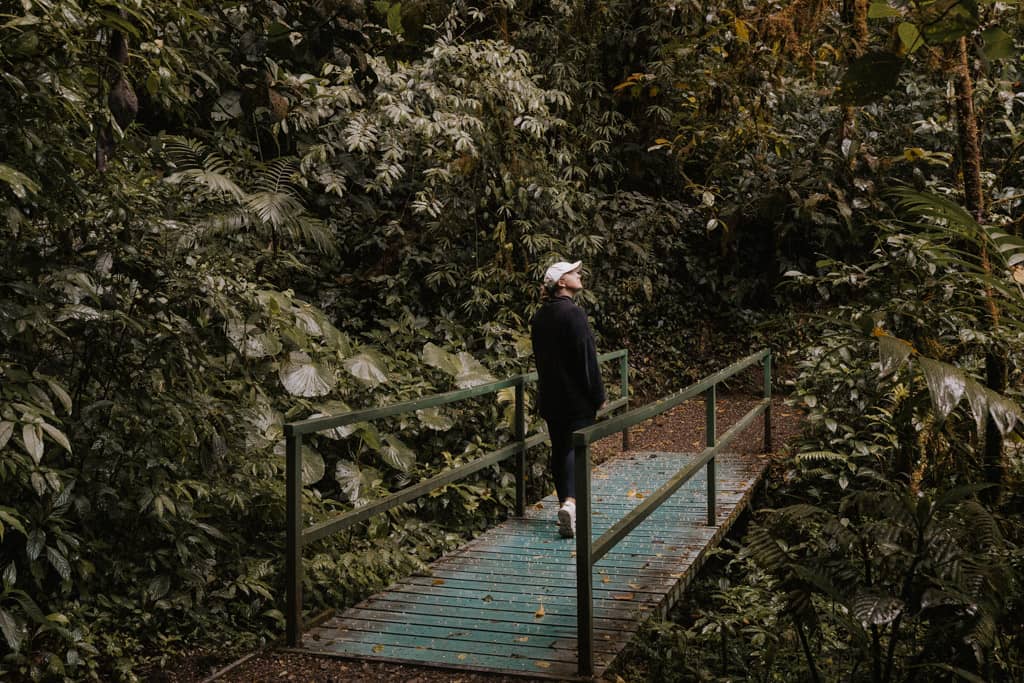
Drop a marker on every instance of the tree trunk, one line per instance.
(970, 165)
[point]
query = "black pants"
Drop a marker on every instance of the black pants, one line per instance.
(563, 457)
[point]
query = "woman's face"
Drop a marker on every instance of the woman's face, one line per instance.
(573, 281)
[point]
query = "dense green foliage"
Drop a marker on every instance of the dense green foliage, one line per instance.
(321, 204)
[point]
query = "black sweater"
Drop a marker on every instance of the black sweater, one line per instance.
(570, 385)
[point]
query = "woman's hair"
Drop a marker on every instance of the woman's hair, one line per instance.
(547, 290)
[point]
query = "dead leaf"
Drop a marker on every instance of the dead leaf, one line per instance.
(538, 506)
(543, 665)
(378, 648)
(622, 596)
(487, 598)
(634, 586)
(437, 582)
(460, 657)
(523, 639)
(539, 613)
(606, 579)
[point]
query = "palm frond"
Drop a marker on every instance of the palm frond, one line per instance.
(200, 167)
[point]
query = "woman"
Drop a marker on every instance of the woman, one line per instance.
(570, 390)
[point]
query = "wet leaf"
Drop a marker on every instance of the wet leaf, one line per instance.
(539, 614)
(437, 582)
(6, 430)
(892, 353)
(366, 367)
(32, 436)
(57, 436)
(522, 639)
(251, 341)
(876, 610)
(301, 376)
(542, 665)
(606, 579)
(978, 400)
(433, 418)
(1005, 413)
(946, 384)
(396, 453)
(378, 648)
(622, 596)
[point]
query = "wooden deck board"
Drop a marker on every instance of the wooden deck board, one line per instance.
(506, 601)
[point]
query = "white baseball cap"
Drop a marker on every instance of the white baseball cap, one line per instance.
(555, 272)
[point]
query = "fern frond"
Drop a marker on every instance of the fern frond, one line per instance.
(982, 526)
(820, 456)
(765, 550)
(937, 209)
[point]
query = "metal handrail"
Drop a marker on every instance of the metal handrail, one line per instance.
(297, 536)
(589, 551)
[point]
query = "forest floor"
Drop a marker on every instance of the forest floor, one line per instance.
(680, 429)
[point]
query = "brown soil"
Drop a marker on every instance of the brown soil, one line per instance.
(680, 429)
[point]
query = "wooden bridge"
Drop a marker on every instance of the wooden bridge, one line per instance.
(516, 599)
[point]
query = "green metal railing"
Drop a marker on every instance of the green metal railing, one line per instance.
(589, 551)
(299, 536)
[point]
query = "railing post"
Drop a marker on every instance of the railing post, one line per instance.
(520, 435)
(624, 392)
(711, 437)
(584, 569)
(768, 395)
(293, 559)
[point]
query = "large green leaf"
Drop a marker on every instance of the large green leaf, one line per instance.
(892, 353)
(19, 183)
(301, 376)
(946, 384)
(395, 453)
(367, 367)
(14, 634)
(313, 466)
(877, 610)
(998, 43)
(870, 78)
(466, 370)
(944, 21)
(251, 341)
(433, 418)
(336, 408)
(6, 430)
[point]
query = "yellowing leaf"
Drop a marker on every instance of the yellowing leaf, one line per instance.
(378, 648)
(742, 32)
(606, 579)
(539, 614)
(542, 665)
(461, 656)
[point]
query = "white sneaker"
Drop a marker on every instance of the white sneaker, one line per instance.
(567, 519)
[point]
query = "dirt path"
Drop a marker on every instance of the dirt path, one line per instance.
(680, 429)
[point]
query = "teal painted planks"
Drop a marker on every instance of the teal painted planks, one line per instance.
(506, 601)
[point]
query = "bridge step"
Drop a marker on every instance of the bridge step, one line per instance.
(506, 601)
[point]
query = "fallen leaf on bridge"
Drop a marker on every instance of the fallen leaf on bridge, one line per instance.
(622, 596)
(539, 613)
(378, 648)
(437, 582)
(543, 665)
